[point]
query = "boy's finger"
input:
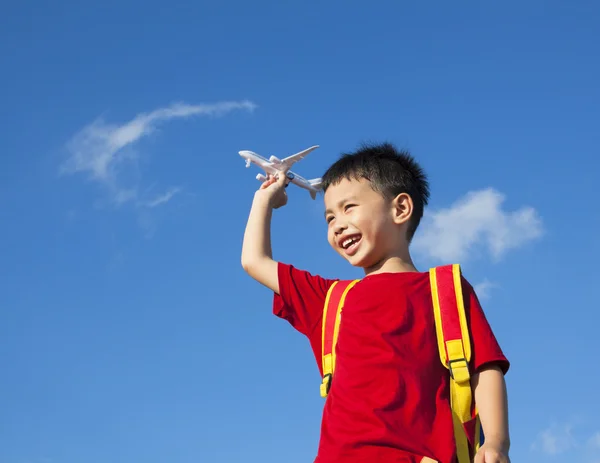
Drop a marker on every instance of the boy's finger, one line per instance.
(285, 180)
(266, 183)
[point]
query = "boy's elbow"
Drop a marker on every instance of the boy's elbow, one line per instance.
(264, 271)
(246, 258)
(246, 265)
(251, 267)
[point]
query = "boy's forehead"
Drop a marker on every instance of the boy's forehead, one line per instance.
(346, 189)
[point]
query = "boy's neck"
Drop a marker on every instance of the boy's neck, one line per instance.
(393, 264)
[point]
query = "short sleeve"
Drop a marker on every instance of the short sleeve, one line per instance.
(486, 349)
(301, 299)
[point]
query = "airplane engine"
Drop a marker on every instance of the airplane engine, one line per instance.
(274, 159)
(261, 177)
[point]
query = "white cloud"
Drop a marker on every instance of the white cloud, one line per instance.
(483, 289)
(594, 441)
(100, 149)
(164, 198)
(451, 234)
(568, 442)
(555, 440)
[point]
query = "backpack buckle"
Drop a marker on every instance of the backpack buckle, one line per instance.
(459, 372)
(326, 385)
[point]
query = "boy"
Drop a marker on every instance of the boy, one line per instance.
(389, 398)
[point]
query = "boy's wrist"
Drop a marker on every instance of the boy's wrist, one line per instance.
(500, 442)
(262, 200)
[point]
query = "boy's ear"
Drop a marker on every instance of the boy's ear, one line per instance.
(402, 208)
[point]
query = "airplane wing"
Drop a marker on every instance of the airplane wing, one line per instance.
(296, 157)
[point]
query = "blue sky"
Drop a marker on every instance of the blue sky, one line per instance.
(128, 330)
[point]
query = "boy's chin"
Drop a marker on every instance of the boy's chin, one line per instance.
(362, 258)
(368, 262)
(358, 261)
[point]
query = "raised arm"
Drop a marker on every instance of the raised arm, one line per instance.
(257, 256)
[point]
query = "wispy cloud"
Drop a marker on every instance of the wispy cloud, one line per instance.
(484, 288)
(555, 440)
(164, 198)
(594, 441)
(477, 219)
(100, 149)
(565, 440)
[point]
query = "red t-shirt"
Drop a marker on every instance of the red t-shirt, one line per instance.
(389, 399)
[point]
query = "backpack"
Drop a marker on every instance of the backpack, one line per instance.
(454, 347)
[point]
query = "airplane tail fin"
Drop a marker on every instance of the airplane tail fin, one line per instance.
(315, 182)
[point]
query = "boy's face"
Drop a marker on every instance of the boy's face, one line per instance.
(361, 225)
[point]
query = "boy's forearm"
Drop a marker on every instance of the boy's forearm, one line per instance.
(492, 404)
(257, 237)
(257, 256)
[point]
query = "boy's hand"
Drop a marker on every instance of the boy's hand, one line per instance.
(273, 190)
(491, 452)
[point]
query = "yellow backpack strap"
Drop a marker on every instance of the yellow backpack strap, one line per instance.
(455, 353)
(336, 295)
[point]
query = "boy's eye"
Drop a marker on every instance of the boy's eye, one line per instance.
(348, 206)
(329, 219)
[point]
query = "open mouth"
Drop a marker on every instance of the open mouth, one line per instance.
(350, 243)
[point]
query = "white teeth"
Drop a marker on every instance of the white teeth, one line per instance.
(347, 242)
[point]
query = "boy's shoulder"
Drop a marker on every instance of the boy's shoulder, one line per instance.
(385, 284)
(437, 278)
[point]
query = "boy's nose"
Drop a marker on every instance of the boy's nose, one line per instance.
(339, 227)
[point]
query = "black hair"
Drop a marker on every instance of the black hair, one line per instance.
(390, 172)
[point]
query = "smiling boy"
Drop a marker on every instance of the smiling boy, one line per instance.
(389, 401)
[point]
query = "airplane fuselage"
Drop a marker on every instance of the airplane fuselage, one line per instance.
(275, 166)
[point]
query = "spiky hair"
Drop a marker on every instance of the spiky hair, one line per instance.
(390, 172)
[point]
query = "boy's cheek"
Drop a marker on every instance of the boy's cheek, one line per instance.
(331, 240)
(336, 249)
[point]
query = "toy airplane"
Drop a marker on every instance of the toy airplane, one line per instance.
(274, 166)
